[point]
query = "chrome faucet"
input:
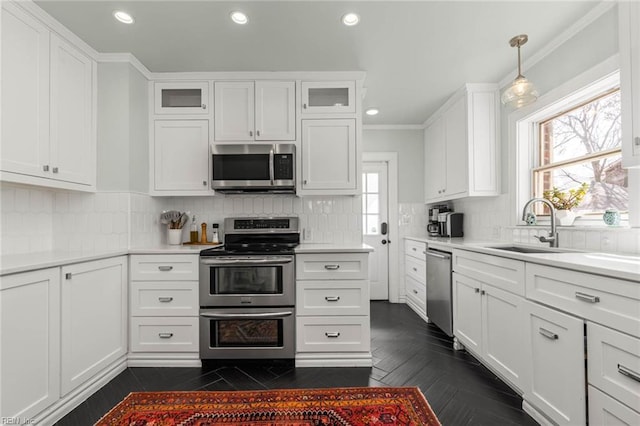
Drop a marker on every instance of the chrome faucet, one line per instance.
(552, 238)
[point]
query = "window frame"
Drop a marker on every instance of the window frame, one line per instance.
(523, 136)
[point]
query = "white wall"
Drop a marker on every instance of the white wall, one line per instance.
(138, 131)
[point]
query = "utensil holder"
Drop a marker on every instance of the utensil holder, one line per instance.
(174, 236)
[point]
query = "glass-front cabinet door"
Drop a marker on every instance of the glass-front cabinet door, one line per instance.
(182, 97)
(322, 97)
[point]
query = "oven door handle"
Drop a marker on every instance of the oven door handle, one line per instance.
(261, 315)
(279, 261)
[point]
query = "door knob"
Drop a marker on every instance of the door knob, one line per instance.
(383, 242)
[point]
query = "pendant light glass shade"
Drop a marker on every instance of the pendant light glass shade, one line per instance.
(521, 92)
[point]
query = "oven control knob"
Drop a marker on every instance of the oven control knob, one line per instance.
(245, 300)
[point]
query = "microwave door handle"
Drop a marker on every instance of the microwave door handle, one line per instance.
(262, 315)
(271, 172)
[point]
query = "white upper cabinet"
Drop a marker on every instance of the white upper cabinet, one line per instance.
(328, 97)
(25, 93)
(190, 97)
(48, 94)
(73, 156)
(461, 146)
(181, 157)
(329, 156)
(629, 13)
(260, 111)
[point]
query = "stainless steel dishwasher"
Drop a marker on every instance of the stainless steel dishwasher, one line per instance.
(439, 307)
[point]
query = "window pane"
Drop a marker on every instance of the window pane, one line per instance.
(372, 203)
(372, 224)
(608, 183)
(588, 129)
(372, 182)
(364, 204)
(364, 183)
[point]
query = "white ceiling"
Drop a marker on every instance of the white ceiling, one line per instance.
(415, 53)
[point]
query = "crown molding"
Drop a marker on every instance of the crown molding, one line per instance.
(126, 58)
(393, 127)
(602, 7)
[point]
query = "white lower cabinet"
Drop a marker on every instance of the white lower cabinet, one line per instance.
(555, 359)
(488, 322)
(415, 276)
(29, 342)
(164, 310)
(332, 310)
(93, 319)
(604, 410)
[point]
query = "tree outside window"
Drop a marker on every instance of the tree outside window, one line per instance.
(583, 144)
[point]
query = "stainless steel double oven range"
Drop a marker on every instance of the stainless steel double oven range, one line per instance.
(247, 291)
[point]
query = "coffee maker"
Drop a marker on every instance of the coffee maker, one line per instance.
(433, 227)
(450, 224)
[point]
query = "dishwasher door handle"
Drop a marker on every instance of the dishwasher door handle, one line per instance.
(438, 255)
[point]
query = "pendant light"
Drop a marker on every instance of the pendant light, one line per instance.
(521, 92)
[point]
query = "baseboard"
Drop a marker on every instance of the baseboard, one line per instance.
(164, 360)
(76, 397)
(334, 360)
(535, 414)
(417, 310)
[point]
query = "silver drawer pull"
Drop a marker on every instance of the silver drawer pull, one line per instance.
(415, 269)
(332, 335)
(629, 373)
(548, 334)
(415, 291)
(165, 299)
(414, 249)
(332, 267)
(165, 268)
(587, 297)
(332, 298)
(165, 335)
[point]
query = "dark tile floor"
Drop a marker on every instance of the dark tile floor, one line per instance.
(406, 351)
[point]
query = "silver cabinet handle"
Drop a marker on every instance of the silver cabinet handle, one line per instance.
(548, 334)
(165, 335)
(332, 335)
(204, 106)
(55, 170)
(204, 183)
(414, 249)
(45, 168)
(304, 106)
(165, 299)
(415, 291)
(332, 267)
(482, 293)
(587, 297)
(332, 298)
(68, 276)
(415, 269)
(477, 290)
(438, 255)
(304, 181)
(636, 141)
(250, 132)
(257, 132)
(629, 373)
(165, 268)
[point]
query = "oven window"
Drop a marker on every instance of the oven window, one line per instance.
(241, 167)
(246, 280)
(247, 333)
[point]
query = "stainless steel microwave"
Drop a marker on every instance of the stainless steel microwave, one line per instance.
(254, 168)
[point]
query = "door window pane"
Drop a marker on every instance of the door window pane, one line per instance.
(370, 204)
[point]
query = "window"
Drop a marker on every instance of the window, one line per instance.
(583, 144)
(370, 204)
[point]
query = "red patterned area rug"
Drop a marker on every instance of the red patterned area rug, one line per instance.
(290, 407)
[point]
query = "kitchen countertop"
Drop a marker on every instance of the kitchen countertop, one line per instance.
(172, 249)
(612, 265)
(333, 248)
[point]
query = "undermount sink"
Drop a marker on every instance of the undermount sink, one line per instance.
(522, 249)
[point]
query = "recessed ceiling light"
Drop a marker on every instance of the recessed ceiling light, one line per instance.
(123, 17)
(350, 19)
(239, 17)
(372, 111)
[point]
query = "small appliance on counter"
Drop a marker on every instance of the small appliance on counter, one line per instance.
(450, 224)
(433, 228)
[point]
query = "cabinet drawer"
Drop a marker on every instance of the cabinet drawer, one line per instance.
(506, 274)
(614, 364)
(608, 301)
(604, 410)
(333, 266)
(332, 297)
(415, 249)
(151, 334)
(416, 269)
(164, 298)
(332, 334)
(417, 291)
(177, 267)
